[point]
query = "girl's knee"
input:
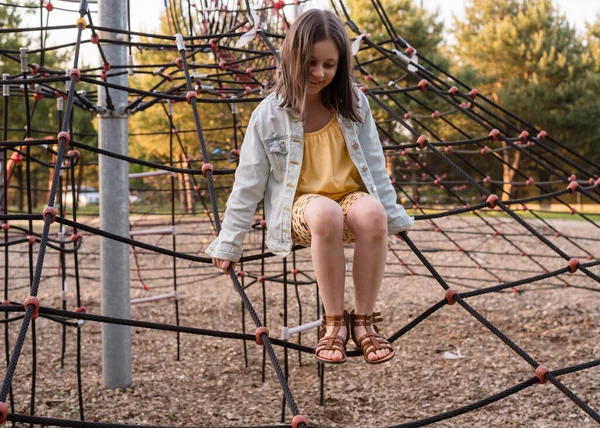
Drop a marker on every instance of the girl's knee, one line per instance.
(324, 217)
(368, 216)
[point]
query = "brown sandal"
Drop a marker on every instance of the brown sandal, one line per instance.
(370, 341)
(333, 342)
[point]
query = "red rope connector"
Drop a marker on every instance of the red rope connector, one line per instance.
(249, 71)
(573, 185)
(65, 135)
(261, 279)
(190, 95)
(453, 91)
(51, 211)
(207, 167)
(410, 51)
(259, 331)
(485, 150)
(104, 75)
(76, 237)
(80, 309)
(34, 69)
(494, 134)
(572, 177)
(32, 300)
(407, 115)
(106, 66)
(5, 226)
(448, 149)
(529, 181)
(235, 152)
(435, 114)
(214, 45)
(241, 274)
(77, 73)
(179, 63)
(450, 293)
(37, 96)
(542, 135)
(299, 419)
(295, 271)
(473, 93)
(4, 407)
(421, 141)
(491, 201)
(423, 84)
(364, 88)
(278, 5)
(541, 372)
(263, 223)
(31, 239)
(573, 265)
(524, 136)
(487, 179)
(95, 38)
(49, 7)
(75, 154)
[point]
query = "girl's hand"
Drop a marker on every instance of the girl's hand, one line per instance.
(223, 264)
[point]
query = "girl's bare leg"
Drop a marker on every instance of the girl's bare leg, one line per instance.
(367, 219)
(326, 222)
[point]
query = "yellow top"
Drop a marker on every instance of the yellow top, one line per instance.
(327, 168)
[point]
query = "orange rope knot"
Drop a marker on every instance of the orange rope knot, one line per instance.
(450, 293)
(494, 134)
(423, 84)
(453, 91)
(207, 167)
(572, 187)
(573, 265)
(65, 135)
(541, 372)
(190, 95)
(51, 211)
(421, 141)
(33, 300)
(259, 331)
(77, 73)
(491, 201)
(299, 419)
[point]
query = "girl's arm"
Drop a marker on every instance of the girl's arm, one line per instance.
(248, 190)
(398, 220)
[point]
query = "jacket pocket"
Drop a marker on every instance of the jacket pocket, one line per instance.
(278, 152)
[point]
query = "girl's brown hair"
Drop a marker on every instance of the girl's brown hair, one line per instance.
(311, 27)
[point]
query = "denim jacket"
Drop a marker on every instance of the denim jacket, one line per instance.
(269, 168)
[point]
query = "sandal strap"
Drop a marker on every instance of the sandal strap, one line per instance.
(365, 320)
(374, 341)
(334, 320)
(331, 343)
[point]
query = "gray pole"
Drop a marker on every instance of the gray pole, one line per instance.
(114, 206)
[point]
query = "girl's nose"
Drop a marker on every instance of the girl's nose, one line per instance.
(318, 72)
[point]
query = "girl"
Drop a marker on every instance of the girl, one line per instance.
(313, 154)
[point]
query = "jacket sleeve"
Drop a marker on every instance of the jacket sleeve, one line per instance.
(248, 190)
(397, 218)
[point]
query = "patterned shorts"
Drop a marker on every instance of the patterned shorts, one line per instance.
(300, 230)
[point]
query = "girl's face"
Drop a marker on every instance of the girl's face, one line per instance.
(322, 65)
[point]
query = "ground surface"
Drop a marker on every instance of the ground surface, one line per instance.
(210, 385)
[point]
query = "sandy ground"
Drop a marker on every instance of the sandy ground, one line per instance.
(558, 326)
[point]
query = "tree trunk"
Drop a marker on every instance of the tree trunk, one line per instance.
(508, 173)
(181, 185)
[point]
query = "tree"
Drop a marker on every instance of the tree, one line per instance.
(532, 62)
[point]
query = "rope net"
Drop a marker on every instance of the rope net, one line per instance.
(448, 150)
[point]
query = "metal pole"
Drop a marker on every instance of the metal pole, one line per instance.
(114, 205)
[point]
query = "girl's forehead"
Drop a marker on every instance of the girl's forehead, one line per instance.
(325, 50)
